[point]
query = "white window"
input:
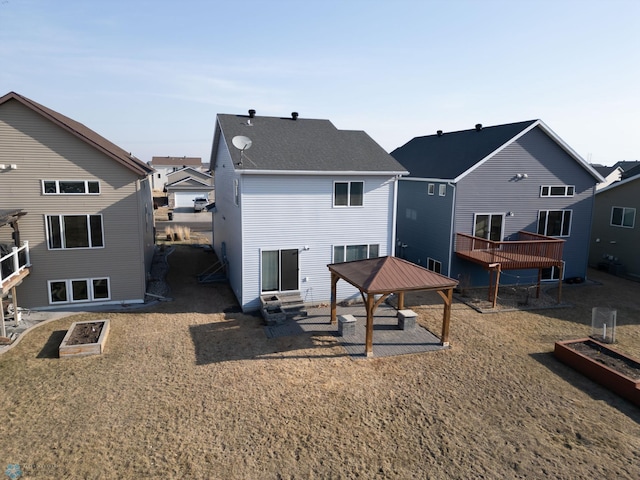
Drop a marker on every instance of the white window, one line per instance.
(74, 231)
(348, 194)
(431, 189)
(557, 190)
(623, 217)
(442, 189)
(554, 223)
(434, 265)
(348, 253)
(489, 226)
(79, 290)
(70, 187)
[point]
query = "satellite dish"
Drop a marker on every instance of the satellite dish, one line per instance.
(241, 142)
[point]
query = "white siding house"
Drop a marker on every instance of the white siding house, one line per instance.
(278, 222)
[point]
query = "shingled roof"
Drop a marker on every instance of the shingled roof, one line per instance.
(302, 145)
(449, 154)
(84, 133)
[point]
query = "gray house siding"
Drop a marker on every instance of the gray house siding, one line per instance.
(616, 244)
(43, 151)
(424, 222)
(494, 187)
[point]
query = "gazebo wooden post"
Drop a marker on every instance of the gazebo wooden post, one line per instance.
(334, 296)
(400, 300)
(539, 281)
(446, 316)
(3, 331)
(368, 349)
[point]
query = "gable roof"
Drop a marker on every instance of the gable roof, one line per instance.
(627, 165)
(176, 161)
(189, 171)
(302, 146)
(605, 170)
(83, 133)
(453, 155)
(190, 182)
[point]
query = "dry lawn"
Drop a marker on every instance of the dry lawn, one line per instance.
(186, 390)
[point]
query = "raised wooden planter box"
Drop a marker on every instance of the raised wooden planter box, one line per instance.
(591, 364)
(72, 346)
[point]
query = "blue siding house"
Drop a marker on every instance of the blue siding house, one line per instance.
(294, 195)
(493, 182)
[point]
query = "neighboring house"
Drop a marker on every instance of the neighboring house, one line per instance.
(163, 166)
(615, 235)
(187, 184)
(492, 183)
(85, 205)
(610, 174)
(294, 195)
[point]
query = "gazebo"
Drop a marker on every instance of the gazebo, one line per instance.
(377, 278)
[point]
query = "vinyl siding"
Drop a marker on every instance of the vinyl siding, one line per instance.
(226, 219)
(494, 188)
(424, 222)
(43, 151)
(285, 212)
(613, 241)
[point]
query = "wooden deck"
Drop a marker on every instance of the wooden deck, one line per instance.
(530, 251)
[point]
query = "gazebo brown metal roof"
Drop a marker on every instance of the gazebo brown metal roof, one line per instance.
(384, 276)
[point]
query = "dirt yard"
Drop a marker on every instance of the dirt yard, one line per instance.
(193, 389)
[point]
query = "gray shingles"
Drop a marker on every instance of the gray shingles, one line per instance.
(453, 153)
(304, 145)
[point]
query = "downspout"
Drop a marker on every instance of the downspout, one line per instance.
(452, 233)
(394, 214)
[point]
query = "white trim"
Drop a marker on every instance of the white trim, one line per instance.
(58, 192)
(68, 282)
(431, 189)
(348, 205)
(550, 187)
(547, 222)
(62, 235)
(491, 214)
(611, 224)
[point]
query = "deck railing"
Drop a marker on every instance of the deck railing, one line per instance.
(13, 263)
(528, 249)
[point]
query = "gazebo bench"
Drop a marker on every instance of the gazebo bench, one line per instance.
(346, 325)
(406, 319)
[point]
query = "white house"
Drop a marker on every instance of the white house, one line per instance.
(294, 195)
(163, 166)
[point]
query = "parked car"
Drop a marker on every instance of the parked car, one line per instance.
(200, 204)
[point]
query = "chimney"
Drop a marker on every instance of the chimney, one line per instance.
(478, 127)
(439, 133)
(294, 115)
(252, 113)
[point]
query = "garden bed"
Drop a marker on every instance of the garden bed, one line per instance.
(84, 338)
(604, 365)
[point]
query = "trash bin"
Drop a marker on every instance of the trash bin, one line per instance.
(170, 214)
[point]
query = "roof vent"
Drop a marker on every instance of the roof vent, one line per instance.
(294, 115)
(439, 132)
(252, 113)
(478, 127)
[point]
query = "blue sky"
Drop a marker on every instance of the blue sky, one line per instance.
(151, 75)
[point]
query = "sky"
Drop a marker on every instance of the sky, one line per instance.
(151, 75)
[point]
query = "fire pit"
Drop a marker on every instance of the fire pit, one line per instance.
(85, 338)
